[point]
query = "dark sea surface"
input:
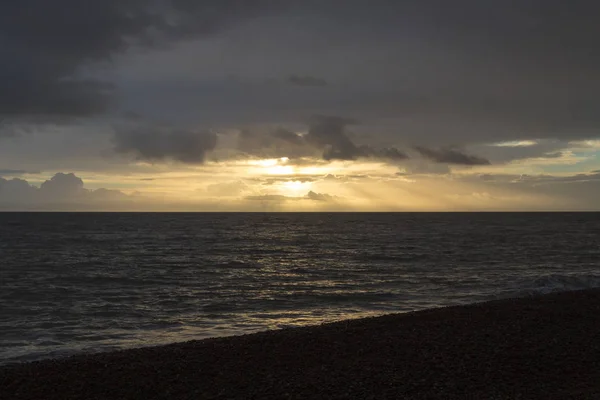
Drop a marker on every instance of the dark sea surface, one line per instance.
(94, 281)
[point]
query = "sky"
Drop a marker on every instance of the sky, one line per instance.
(264, 105)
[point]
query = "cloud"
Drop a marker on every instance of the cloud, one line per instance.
(103, 195)
(54, 47)
(434, 74)
(564, 192)
(62, 186)
(289, 178)
(287, 136)
(160, 143)
(227, 189)
(506, 152)
(273, 143)
(387, 153)
(417, 166)
(307, 81)
(450, 156)
(16, 190)
(534, 180)
(556, 154)
(513, 82)
(486, 177)
(319, 196)
(545, 179)
(61, 190)
(387, 66)
(13, 172)
(312, 196)
(270, 197)
(328, 132)
(326, 137)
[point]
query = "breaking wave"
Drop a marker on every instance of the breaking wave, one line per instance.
(553, 283)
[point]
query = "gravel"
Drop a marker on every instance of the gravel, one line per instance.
(545, 347)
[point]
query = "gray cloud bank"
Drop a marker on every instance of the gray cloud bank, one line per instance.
(450, 156)
(306, 81)
(326, 137)
(62, 190)
(443, 73)
(50, 48)
(446, 73)
(160, 143)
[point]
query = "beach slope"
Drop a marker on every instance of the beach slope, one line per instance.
(545, 347)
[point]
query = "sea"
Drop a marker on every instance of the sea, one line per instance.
(92, 282)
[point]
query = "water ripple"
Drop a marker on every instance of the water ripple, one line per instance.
(94, 282)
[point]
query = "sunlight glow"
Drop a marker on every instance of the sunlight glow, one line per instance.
(295, 188)
(312, 184)
(280, 170)
(270, 162)
(271, 166)
(518, 143)
(595, 144)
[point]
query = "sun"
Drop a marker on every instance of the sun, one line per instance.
(271, 166)
(266, 163)
(295, 188)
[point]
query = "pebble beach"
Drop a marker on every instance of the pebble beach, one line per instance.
(542, 347)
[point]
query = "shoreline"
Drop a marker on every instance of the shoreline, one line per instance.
(546, 346)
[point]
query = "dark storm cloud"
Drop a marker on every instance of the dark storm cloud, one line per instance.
(9, 127)
(467, 71)
(160, 143)
(329, 132)
(326, 135)
(388, 153)
(307, 81)
(277, 143)
(450, 156)
(459, 72)
(534, 30)
(528, 67)
(539, 29)
(46, 47)
(288, 137)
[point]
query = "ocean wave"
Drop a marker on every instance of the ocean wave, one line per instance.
(552, 283)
